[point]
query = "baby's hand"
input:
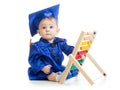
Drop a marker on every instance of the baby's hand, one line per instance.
(46, 69)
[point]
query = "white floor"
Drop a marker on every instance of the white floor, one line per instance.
(15, 77)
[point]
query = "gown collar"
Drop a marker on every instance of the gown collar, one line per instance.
(56, 40)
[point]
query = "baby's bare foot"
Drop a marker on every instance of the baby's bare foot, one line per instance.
(52, 76)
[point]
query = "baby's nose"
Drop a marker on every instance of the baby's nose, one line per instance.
(47, 30)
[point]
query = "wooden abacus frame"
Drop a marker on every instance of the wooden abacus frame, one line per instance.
(72, 60)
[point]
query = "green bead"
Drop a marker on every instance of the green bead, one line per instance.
(81, 61)
(73, 67)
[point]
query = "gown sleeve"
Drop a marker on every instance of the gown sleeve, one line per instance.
(67, 49)
(34, 58)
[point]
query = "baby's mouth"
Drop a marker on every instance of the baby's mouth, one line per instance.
(48, 34)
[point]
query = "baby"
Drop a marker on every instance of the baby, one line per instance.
(46, 55)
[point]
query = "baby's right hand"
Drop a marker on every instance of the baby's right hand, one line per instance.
(46, 69)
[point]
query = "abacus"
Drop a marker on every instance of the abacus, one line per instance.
(80, 52)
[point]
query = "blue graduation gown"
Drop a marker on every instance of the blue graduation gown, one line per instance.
(43, 53)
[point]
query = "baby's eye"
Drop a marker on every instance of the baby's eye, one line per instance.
(43, 27)
(51, 27)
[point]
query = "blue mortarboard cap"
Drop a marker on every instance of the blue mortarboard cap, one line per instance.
(36, 17)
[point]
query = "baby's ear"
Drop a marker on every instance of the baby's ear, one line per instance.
(58, 30)
(38, 31)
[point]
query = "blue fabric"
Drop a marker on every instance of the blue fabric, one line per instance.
(43, 53)
(72, 73)
(36, 17)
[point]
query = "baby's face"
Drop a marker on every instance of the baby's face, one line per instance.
(48, 29)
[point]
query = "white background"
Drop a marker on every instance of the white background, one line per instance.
(102, 16)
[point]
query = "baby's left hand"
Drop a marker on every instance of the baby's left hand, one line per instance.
(46, 69)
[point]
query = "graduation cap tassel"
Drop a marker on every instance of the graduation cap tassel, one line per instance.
(30, 41)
